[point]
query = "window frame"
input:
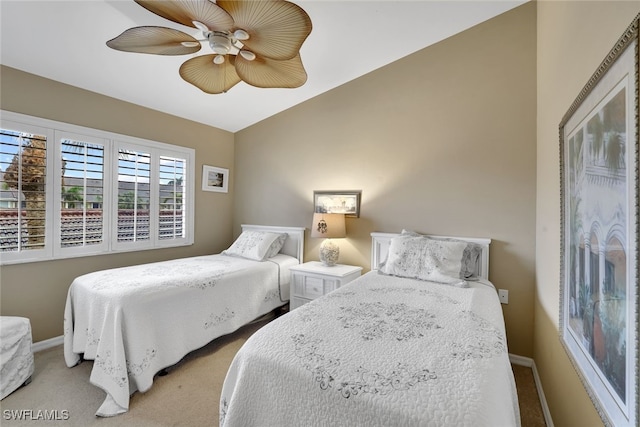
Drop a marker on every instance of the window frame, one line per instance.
(54, 132)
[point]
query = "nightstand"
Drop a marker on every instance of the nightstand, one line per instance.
(313, 279)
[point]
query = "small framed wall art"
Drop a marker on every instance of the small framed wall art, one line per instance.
(344, 202)
(215, 179)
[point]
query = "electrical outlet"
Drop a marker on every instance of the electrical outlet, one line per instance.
(504, 296)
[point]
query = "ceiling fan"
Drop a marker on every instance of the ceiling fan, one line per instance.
(257, 42)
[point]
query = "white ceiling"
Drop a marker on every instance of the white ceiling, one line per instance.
(65, 41)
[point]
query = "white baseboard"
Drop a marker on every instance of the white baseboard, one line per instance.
(47, 344)
(530, 363)
(521, 360)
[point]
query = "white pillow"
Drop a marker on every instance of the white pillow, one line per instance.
(277, 244)
(465, 265)
(420, 257)
(257, 245)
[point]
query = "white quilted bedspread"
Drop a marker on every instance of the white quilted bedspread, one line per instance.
(16, 356)
(380, 351)
(135, 321)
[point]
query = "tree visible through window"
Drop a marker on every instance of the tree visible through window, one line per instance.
(24, 162)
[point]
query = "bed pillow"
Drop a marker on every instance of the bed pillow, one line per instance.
(257, 245)
(467, 262)
(277, 244)
(419, 257)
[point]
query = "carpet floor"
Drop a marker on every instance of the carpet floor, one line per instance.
(187, 396)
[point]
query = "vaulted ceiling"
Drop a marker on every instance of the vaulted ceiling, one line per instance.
(65, 41)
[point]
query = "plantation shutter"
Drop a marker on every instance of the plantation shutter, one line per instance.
(23, 160)
(172, 198)
(82, 193)
(134, 174)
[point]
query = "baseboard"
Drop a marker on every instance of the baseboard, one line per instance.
(47, 344)
(520, 360)
(530, 363)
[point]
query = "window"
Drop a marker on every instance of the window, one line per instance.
(23, 204)
(134, 195)
(172, 197)
(81, 192)
(71, 191)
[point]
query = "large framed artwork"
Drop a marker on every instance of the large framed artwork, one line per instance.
(599, 233)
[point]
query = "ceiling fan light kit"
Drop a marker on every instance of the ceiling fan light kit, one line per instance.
(219, 43)
(257, 42)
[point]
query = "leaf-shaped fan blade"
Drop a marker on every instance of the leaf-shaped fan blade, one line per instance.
(276, 29)
(269, 73)
(209, 77)
(186, 11)
(156, 40)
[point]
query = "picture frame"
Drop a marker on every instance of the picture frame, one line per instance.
(599, 301)
(346, 202)
(215, 179)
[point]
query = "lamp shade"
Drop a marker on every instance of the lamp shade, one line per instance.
(328, 225)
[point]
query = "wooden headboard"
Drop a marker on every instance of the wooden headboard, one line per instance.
(293, 246)
(380, 246)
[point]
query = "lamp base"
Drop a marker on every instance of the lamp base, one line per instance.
(329, 253)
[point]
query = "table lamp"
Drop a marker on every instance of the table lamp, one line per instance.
(328, 226)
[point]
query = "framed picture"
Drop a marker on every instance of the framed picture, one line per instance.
(215, 179)
(599, 233)
(346, 202)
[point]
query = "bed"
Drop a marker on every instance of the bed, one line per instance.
(389, 348)
(135, 321)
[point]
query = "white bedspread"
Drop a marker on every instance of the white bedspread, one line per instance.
(380, 351)
(135, 321)
(16, 356)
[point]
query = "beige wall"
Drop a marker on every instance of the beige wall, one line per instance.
(573, 39)
(442, 141)
(38, 290)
